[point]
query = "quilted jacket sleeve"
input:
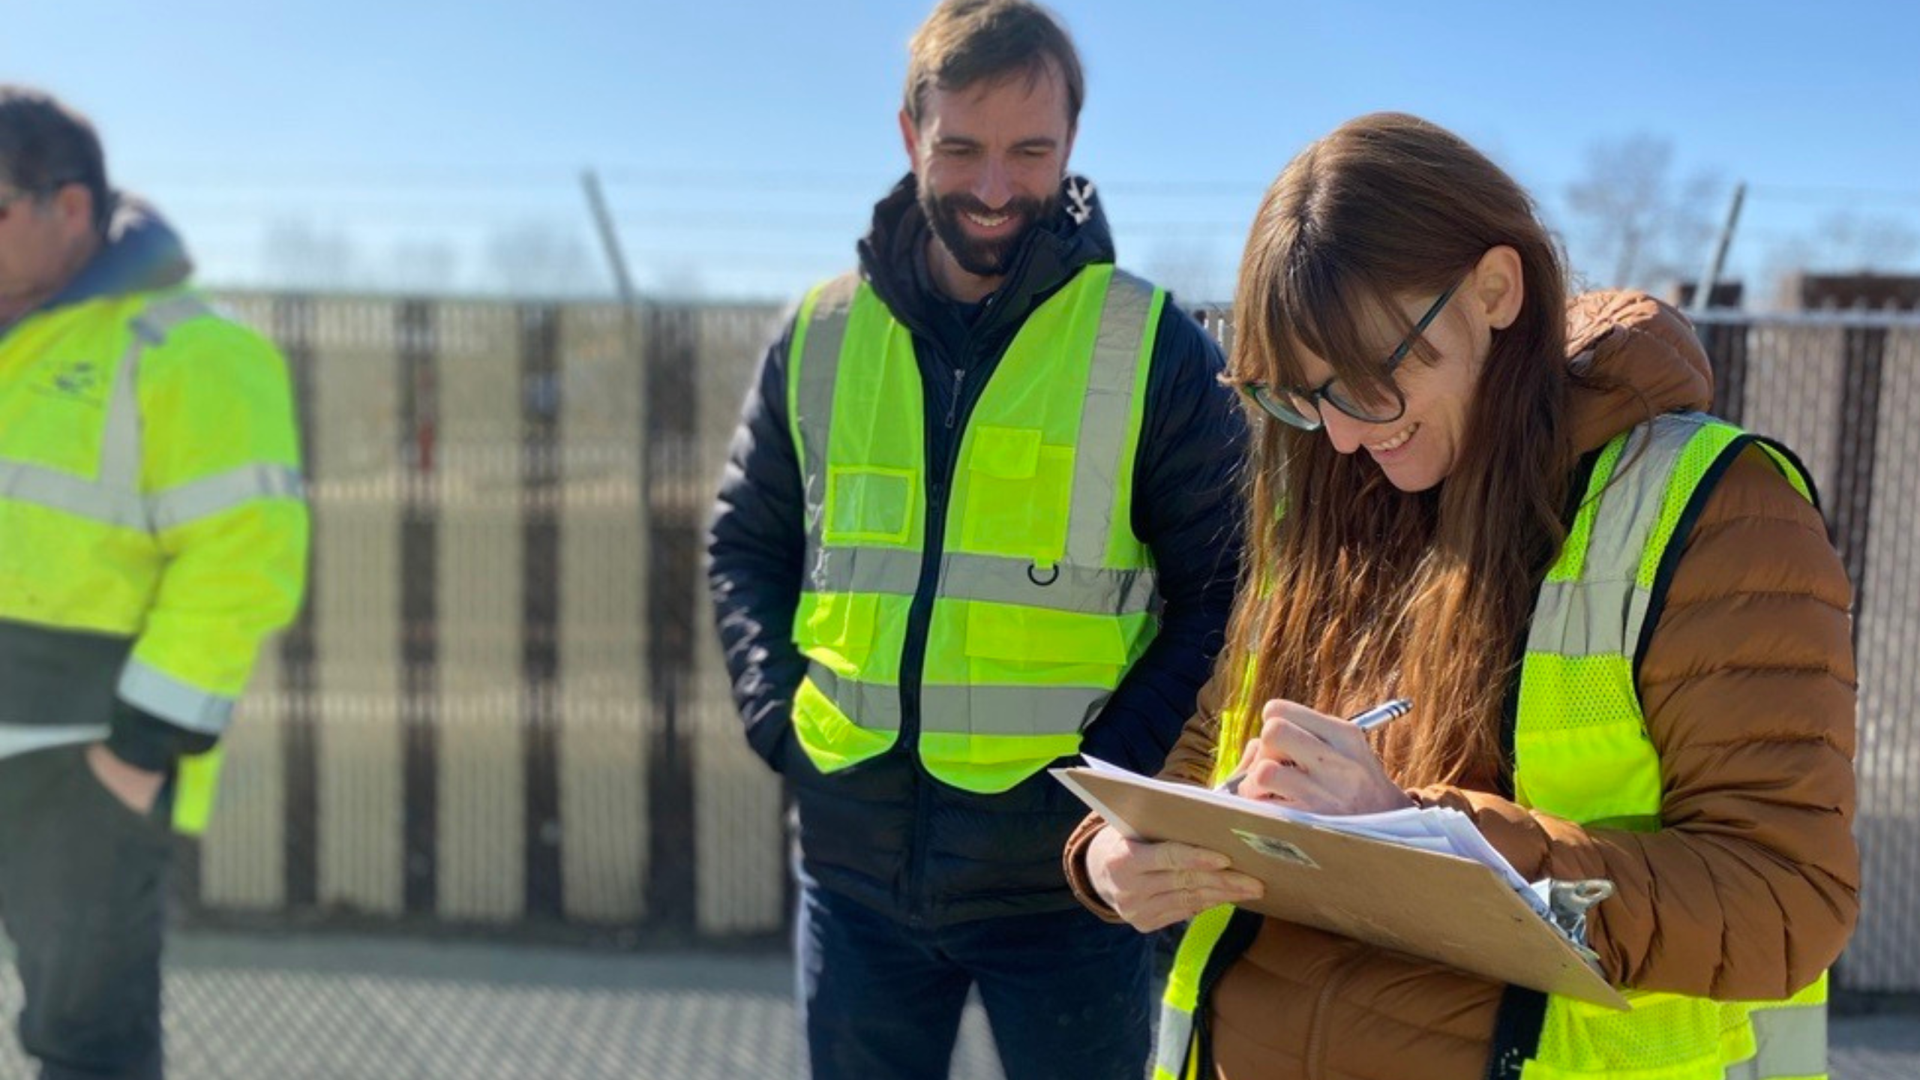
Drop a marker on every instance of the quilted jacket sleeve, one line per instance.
(756, 543)
(1751, 888)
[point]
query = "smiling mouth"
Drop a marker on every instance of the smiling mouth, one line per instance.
(987, 221)
(1399, 440)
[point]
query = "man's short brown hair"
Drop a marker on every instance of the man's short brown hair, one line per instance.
(965, 41)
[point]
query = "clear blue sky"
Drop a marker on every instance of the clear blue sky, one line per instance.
(743, 142)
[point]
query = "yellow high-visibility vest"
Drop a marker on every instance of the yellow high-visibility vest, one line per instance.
(1582, 753)
(152, 528)
(1042, 594)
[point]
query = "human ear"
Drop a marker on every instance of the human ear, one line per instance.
(74, 202)
(910, 137)
(1499, 286)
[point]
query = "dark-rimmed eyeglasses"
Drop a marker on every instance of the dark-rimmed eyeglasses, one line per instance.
(1301, 408)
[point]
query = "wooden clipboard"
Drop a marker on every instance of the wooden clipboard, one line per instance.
(1438, 907)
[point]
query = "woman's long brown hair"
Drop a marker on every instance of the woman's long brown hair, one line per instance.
(1356, 591)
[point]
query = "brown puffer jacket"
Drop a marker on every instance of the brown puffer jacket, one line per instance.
(1751, 887)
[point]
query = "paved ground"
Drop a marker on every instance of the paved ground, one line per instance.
(247, 1007)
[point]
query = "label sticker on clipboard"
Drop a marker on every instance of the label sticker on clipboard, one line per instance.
(1276, 849)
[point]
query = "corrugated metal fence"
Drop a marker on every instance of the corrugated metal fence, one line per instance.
(503, 708)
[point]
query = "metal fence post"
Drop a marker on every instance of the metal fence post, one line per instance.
(672, 463)
(293, 329)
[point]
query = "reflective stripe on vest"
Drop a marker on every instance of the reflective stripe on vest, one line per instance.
(1582, 752)
(1789, 1037)
(1043, 596)
(1175, 1051)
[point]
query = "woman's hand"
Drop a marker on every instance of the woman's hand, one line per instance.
(1152, 885)
(1315, 762)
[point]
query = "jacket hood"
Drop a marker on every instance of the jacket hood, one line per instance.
(1649, 353)
(892, 259)
(142, 253)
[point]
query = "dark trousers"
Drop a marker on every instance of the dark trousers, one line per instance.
(82, 879)
(1067, 996)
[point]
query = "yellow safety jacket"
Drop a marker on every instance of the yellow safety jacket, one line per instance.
(1023, 579)
(152, 531)
(1581, 752)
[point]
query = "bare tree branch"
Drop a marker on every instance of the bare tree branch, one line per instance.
(1635, 214)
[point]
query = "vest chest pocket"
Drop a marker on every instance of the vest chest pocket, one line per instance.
(869, 505)
(1019, 495)
(1009, 645)
(840, 720)
(836, 630)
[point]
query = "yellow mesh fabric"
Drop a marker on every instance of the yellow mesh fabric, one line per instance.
(1701, 454)
(1588, 1041)
(1576, 692)
(1175, 1050)
(1736, 1031)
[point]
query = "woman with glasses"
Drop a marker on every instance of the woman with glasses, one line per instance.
(1622, 626)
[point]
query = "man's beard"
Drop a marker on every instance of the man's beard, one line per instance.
(982, 258)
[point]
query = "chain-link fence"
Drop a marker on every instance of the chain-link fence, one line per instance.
(1844, 391)
(487, 715)
(504, 707)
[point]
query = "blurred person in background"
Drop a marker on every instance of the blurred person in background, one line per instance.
(1624, 630)
(978, 517)
(152, 535)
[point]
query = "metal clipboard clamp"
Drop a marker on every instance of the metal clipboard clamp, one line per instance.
(1567, 904)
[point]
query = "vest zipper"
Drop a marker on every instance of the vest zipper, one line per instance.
(953, 404)
(913, 662)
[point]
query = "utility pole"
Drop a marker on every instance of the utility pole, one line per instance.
(1703, 291)
(609, 239)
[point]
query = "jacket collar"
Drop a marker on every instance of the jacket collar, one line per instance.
(142, 253)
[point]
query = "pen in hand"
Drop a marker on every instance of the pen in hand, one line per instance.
(1377, 716)
(1380, 714)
